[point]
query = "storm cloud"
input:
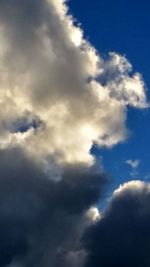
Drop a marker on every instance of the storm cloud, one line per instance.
(41, 221)
(122, 236)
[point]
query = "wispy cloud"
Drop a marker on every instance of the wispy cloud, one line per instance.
(133, 163)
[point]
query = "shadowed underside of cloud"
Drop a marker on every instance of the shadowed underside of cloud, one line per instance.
(45, 222)
(122, 236)
(58, 96)
(41, 221)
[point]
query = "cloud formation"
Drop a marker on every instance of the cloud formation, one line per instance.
(122, 236)
(42, 221)
(49, 74)
(58, 96)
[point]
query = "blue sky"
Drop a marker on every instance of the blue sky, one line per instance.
(57, 97)
(123, 27)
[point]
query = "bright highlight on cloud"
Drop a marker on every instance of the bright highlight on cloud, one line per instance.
(58, 97)
(123, 229)
(133, 186)
(51, 75)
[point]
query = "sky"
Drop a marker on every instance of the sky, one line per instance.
(74, 133)
(123, 27)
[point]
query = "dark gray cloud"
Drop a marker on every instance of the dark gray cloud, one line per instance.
(44, 222)
(49, 109)
(122, 236)
(41, 221)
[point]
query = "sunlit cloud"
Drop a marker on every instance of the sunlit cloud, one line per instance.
(51, 73)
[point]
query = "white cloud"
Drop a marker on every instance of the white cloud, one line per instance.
(132, 186)
(48, 70)
(93, 214)
(133, 163)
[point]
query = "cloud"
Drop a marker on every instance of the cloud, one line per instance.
(122, 236)
(51, 73)
(41, 220)
(133, 163)
(94, 214)
(58, 97)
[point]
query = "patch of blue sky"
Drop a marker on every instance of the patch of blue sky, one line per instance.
(123, 27)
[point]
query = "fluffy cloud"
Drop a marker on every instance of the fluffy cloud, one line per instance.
(49, 74)
(58, 96)
(122, 236)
